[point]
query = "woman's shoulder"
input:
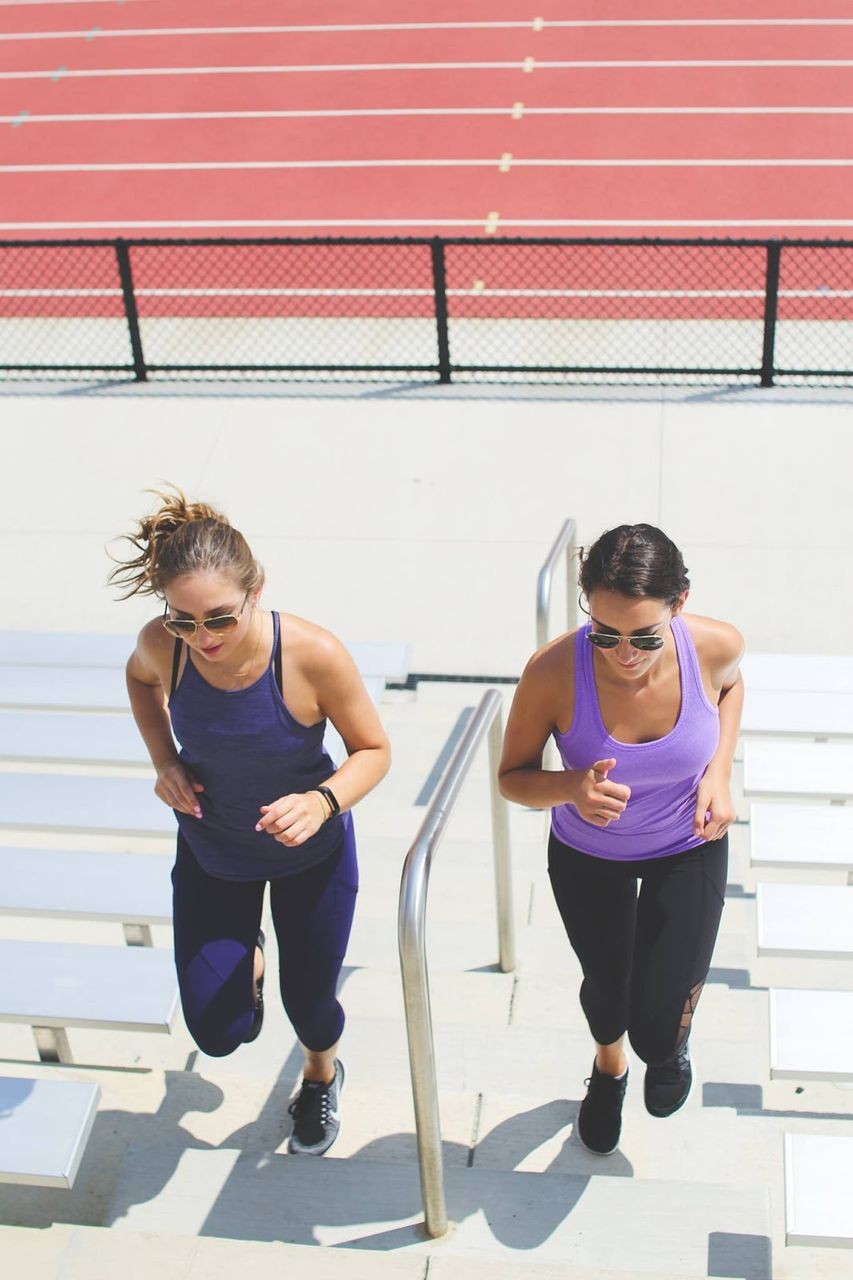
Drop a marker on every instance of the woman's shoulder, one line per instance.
(717, 643)
(152, 657)
(311, 645)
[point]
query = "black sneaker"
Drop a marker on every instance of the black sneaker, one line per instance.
(599, 1120)
(316, 1115)
(667, 1087)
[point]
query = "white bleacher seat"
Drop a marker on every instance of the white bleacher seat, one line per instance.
(63, 688)
(69, 802)
(797, 714)
(811, 1034)
(822, 770)
(814, 920)
(67, 737)
(131, 888)
(810, 673)
(55, 985)
(818, 1200)
(817, 836)
(83, 649)
(44, 1128)
(89, 739)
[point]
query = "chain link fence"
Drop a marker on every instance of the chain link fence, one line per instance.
(472, 309)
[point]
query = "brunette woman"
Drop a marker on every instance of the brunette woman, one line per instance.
(247, 692)
(644, 704)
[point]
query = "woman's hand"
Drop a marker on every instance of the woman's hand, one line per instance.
(596, 799)
(294, 819)
(714, 809)
(177, 788)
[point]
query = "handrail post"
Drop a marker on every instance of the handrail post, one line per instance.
(771, 313)
(565, 541)
(140, 371)
(411, 935)
(439, 286)
(500, 840)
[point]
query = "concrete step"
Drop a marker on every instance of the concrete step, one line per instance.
(554, 1218)
(93, 1253)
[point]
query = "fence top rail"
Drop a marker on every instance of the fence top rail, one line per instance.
(491, 241)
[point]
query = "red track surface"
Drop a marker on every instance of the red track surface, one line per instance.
(419, 199)
(503, 192)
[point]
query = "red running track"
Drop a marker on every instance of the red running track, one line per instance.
(616, 116)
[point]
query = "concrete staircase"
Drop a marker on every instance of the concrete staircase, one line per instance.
(186, 1163)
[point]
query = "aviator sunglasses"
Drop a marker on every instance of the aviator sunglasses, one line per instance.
(646, 644)
(186, 628)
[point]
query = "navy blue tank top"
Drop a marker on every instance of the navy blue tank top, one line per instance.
(246, 749)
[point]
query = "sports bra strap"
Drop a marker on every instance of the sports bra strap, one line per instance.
(176, 662)
(277, 656)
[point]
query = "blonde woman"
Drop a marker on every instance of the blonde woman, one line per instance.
(247, 692)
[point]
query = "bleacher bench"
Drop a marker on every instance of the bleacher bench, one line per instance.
(82, 803)
(811, 1034)
(83, 649)
(797, 714)
(133, 889)
(44, 1128)
(51, 986)
(791, 672)
(818, 1181)
(818, 770)
(807, 920)
(810, 836)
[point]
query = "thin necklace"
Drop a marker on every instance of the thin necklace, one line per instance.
(236, 675)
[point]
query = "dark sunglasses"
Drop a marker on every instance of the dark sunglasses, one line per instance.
(602, 640)
(187, 627)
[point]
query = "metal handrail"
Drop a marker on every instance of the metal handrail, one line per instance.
(411, 936)
(566, 541)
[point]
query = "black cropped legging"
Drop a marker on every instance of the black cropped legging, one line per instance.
(644, 956)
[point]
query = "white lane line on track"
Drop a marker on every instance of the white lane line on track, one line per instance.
(312, 223)
(826, 293)
(343, 28)
(62, 73)
(492, 163)
(391, 112)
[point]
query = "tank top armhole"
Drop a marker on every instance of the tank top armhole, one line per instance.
(277, 657)
(176, 662)
(688, 657)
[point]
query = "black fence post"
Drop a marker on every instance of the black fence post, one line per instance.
(771, 307)
(439, 286)
(140, 372)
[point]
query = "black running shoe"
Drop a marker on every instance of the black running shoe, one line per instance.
(667, 1087)
(599, 1120)
(316, 1115)
(259, 996)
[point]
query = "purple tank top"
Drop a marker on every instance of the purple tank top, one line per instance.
(663, 775)
(246, 749)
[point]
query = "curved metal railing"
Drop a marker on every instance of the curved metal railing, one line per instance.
(411, 934)
(566, 542)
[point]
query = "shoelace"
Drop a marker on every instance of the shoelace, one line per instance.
(310, 1100)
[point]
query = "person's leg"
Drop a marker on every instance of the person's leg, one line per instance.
(597, 901)
(680, 906)
(678, 917)
(313, 914)
(216, 926)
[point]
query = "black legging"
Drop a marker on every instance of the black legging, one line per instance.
(644, 957)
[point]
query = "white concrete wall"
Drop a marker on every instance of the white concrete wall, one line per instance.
(425, 517)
